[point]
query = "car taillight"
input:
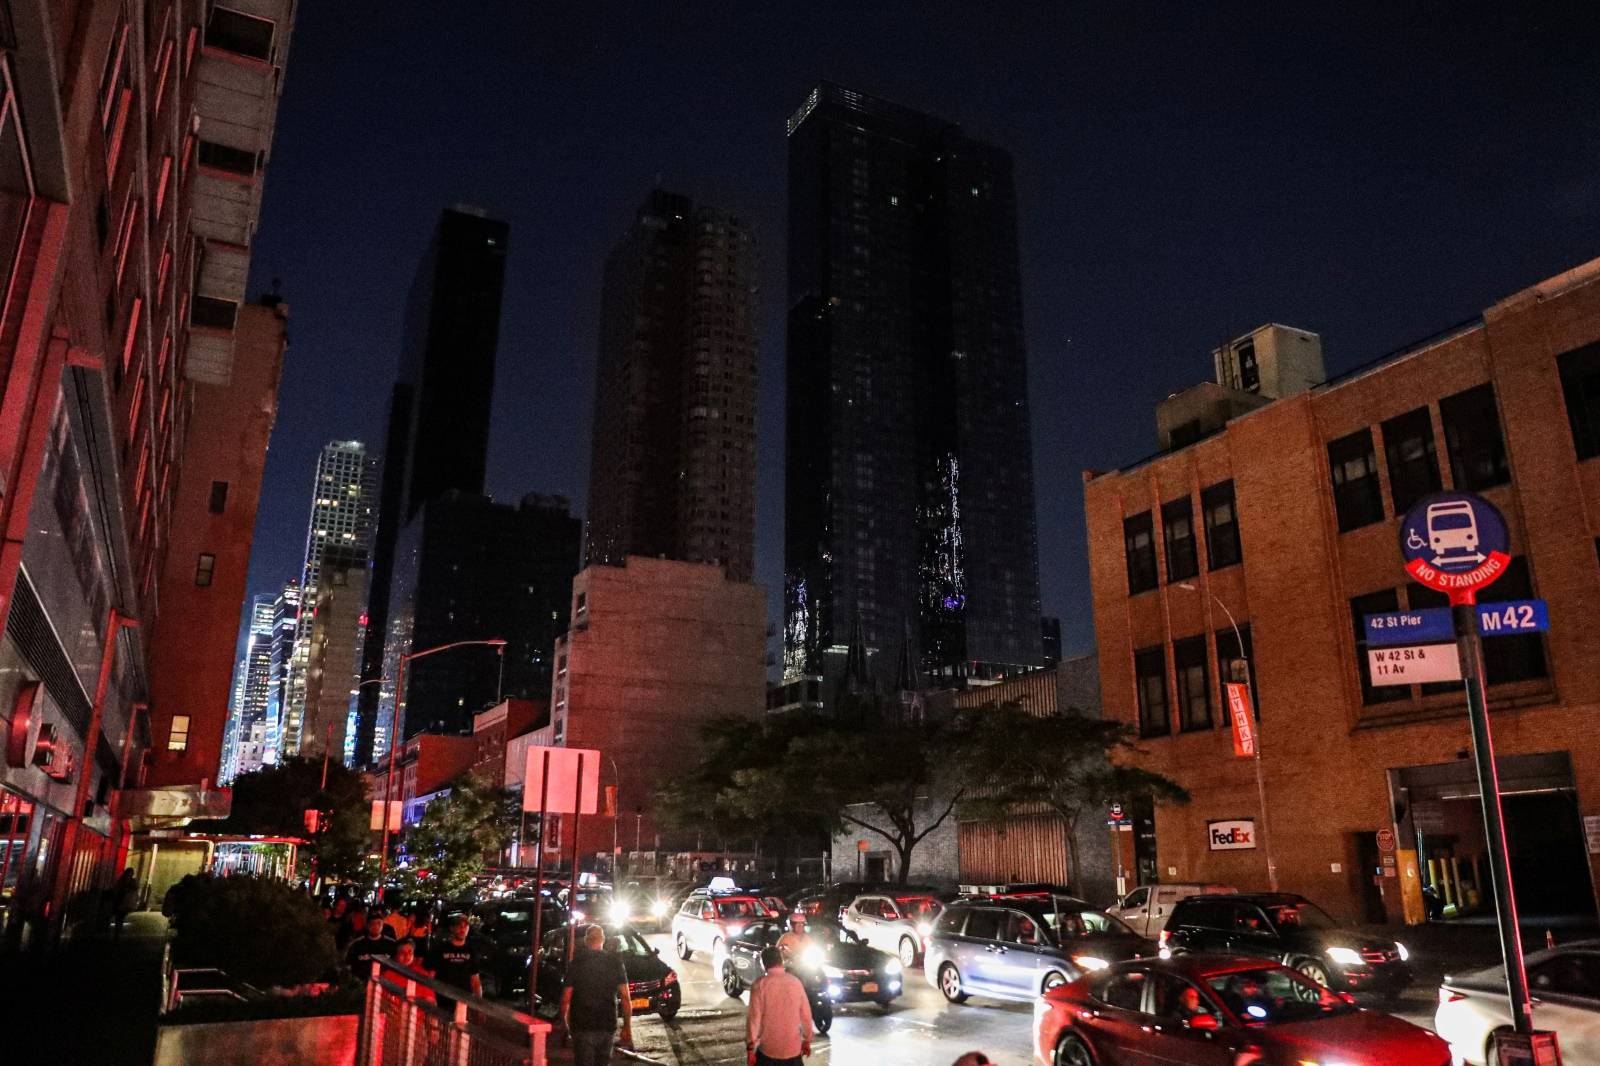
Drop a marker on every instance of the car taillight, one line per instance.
(671, 978)
(1449, 995)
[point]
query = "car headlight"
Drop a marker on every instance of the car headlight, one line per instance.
(658, 909)
(620, 913)
(893, 968)
(832, 973)
(1090, 962)
(1344, 956)
(924, 929)
(1405, 956)
(734, 929)
(812, 957)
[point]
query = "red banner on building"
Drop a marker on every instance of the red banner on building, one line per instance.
(1244, 722)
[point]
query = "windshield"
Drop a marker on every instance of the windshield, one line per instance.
(1073, 922)
(740, 908)
(1302, 915)
(1275, 995)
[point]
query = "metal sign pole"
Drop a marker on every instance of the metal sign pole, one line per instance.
(1470, 645)
(538, 884)
(572, 893)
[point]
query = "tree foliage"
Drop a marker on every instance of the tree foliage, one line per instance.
(1067, 763)
(457, 834)
(259, 931)
(272, 801)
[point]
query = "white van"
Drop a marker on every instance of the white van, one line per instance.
(1148, 907)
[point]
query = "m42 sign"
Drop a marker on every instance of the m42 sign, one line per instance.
(1456, 543)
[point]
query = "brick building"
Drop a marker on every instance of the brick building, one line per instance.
(492, 730)
(657, 648)
(133, 140)
(1286, 517)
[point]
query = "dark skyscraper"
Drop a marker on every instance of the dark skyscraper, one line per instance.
(673, 469)
(910, 508)
(438, 435)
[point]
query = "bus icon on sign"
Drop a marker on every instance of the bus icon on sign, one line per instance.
(1453, 534)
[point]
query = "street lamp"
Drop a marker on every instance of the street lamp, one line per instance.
(394, 731)
(1261, 781)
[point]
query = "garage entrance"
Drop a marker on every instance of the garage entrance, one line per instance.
(1439, 814)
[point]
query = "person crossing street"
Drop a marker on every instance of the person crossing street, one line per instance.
(779, 1027)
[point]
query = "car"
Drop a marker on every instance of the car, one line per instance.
(1294, 931)
(1218, 1010)
(1147, 908)
(840, 969)
(707, 919)
(652, 985)
(1016, 948)
(827, 902)
(1565, 985)
(898, 923)
(505, 933)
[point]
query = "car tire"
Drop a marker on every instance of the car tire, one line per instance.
(730, 980)
(823, 1018)
(1313, 969)
(950, 984)
(1053, 979)
(1073, 1051)
(685, 952)
(907, 952)
(717, 957)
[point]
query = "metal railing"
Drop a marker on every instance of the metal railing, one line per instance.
(199, 982)
(411, 1020)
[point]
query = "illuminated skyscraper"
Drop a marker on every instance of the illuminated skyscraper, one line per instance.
(281, 640)
(909, 475)
(249, 716)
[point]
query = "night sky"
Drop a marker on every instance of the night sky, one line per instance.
(1185, 172)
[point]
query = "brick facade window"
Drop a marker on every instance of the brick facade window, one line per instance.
(1222, 525)
(1177, 527)
(1360, 607)
(1236, 659)
(1472, 432)
(1354, 466)
(1580, 384)
(1150, 681)
(1413, 462)
(1139, 544)
(1194, 688)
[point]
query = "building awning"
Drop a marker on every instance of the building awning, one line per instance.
(155, 808)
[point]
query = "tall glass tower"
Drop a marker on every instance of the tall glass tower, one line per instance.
(910, 524)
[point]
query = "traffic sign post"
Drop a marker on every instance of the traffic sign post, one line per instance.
(1457, 543)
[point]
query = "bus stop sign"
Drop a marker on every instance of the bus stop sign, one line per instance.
(1454, 542)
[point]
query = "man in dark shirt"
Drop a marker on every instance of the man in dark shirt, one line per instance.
(596, 981)
(376, 941)
(455, 960)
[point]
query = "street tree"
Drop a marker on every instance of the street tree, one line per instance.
(1068, 763)
(273, 801)
(450, 844)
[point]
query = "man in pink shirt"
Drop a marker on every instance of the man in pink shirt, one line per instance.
(778, 1030)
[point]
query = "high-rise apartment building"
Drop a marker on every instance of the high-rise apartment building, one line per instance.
(673, 469)
(280, 658)
(338, 536)
(134, 138)
(910, 504)
(250, 708)
(438, 435)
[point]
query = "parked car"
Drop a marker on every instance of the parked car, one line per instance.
(841, 969)
(1292, 930)
(897, 923)
(1016, 948)
(1147, 908)
(1218, 1011)
(826, 903)
(706, 920)
(652, 985)
(1565, 985)
(505, 933)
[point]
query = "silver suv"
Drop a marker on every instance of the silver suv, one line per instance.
(898, 924)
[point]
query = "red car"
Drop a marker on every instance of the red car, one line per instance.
(1218, 1010)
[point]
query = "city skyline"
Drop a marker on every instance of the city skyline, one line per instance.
(1351, 226)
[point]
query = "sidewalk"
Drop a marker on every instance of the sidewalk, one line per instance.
(92, 1003)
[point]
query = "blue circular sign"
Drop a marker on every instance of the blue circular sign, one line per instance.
(1455, 542)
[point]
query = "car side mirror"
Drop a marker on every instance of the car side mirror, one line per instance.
(1205, 1022)
(655, 951)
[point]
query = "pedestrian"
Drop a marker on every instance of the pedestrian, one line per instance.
(398, 921)
(351, 929)
(778, 1028)
(376, 941)
(455, 960)
(124, 898)
(422, 929)
(972, 1058)
(405, 954)
(596, 984)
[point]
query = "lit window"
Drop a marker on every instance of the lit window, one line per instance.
(178, 739)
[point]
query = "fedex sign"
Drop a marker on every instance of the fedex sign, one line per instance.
(1236, 834)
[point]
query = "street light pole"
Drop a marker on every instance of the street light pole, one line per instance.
(394, 733)
(1261, 781)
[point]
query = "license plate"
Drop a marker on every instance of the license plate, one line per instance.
(641, 1003)
(869, 988)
